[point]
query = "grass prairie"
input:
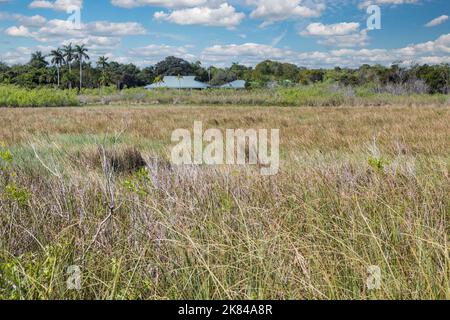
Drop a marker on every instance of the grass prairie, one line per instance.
(93, 187)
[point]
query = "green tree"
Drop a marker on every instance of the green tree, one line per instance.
(57, 60)
(80, 54)
(4, 70)
(172, 66)
(38, 60)
(69, 55)
(146, 75)
(105, 77)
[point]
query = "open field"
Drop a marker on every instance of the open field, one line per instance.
(93, 187)
(315, 95)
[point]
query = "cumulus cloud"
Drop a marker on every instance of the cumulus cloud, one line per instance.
(435, 52)
(250, 52)
(20, 31)
(59, 5)
(357, 39)
(27, 21)
(56, 29)
(158, 3)
(366, 3)
(344, 34)
(96, 43)
(223, 16)
(437, 21)
(99, 36)
(337, 29)
(22, 54)
(269, 11)
(153, 53)
(431, 52)
(273, 11)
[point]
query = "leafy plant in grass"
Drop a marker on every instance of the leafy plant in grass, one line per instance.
(17, 194)
(378, 164)
(137, 182)
(6, 159)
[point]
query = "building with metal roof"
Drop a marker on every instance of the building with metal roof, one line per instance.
(237, 84)
(181, 82)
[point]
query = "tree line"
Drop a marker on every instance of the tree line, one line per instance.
(71, 67)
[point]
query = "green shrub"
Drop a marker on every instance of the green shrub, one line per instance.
(312, 95)
(15, 97)
(378, 164)
(17, 194)
(6, 159)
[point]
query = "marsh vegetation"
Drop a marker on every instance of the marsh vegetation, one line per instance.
(94, 187)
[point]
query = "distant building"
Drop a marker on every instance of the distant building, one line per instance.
(175, 82)
(237, 84)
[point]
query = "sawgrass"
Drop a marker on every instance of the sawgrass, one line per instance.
(93, 187)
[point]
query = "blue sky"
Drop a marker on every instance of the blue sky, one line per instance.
(312, 33)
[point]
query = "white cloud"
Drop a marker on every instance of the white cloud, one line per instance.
(337, 29)
(248, 53)
(154, 53)
(55, 30)
(59, 5)
(22, 54)
(20, 31)
(366, 3)
(345, 34)
(223, 16)
(436, 51)
(357, 39)
(96, 43)
(114, 28)
(273, 11)
(431, 52)
(99, 36)
(437, 21)
(27, 21)
(31, 21)
(158, 3)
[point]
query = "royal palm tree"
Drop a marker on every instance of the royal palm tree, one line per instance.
(69, 54)
(38, 60)
(103, 63)
(81, 53)
(57, 60)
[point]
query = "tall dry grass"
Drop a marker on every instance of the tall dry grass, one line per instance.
(94, 188)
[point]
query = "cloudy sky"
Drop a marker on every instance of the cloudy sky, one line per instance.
(311, 33)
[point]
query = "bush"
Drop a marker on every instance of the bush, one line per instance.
(15, 97)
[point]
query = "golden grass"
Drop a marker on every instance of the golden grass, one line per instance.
(309, 232)
(423, 130)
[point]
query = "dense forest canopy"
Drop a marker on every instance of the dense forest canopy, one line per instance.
(71, 66)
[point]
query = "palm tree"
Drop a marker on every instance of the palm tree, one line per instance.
(68, 56)
(81, 53)
(103, 63)
(38, 60)
(57, 59)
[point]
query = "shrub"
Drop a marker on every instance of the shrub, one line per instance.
(14, 97)
(17, 194)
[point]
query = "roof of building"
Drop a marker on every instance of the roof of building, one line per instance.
(237, 84)
(174, 82)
